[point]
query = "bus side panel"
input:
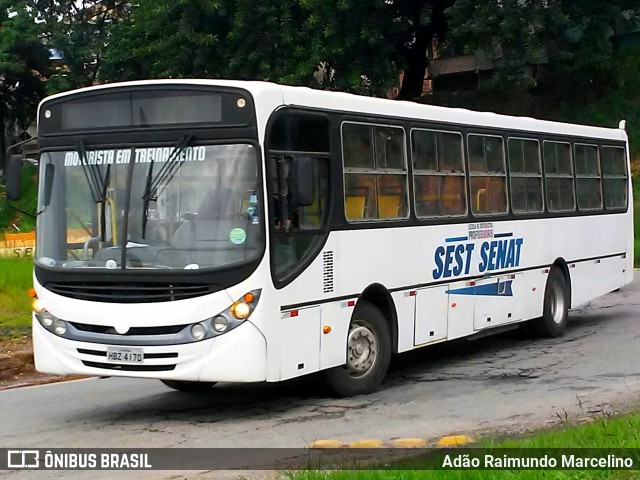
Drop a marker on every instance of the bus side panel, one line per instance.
(460, 312)
(300, 345)
(333, 345)
(610, 273)
(431, 314)
(302, 354)
(528, 294)
(406, 310)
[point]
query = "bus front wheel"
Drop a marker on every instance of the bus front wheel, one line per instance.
(368, 354)
(186, 386)
(553, 322)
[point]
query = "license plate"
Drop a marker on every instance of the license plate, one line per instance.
(125, 355)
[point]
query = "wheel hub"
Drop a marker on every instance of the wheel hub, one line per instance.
(361, 350)
(557, 303)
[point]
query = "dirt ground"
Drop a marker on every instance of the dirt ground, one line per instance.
(17, 367)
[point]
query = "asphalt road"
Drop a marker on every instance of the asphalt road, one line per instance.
(504, 383)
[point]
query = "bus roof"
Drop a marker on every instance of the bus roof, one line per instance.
(357, 104)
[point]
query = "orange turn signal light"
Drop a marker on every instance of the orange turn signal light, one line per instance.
(326, 329)
(248, 297)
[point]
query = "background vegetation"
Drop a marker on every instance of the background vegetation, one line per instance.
(15, 303)
(564, 60)
(360, 46)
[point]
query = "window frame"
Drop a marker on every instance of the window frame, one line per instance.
(418, 172)
(488, 174)
(559, 175)
(539, 175)
(375, 171)
(615, 177)
(583, 176)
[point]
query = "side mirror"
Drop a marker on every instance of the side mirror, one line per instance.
(12, 177)
(49, 170)
(303, 181)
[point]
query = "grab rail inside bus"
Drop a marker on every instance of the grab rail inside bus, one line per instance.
(481, 192)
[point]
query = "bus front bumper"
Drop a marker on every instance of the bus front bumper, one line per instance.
(237, 356)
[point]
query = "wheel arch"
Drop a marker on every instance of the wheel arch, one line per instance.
(564, 268)
(378, 295)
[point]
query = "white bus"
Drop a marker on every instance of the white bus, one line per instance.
(200, 231)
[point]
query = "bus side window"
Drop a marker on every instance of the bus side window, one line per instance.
(439, 177)
(614, 173)
(525, 175)
(375, 172)
(558, 172)
(488, 174)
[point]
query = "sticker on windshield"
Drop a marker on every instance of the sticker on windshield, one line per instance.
(237, 236)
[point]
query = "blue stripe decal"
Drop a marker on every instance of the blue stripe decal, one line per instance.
(500, 235)
(456, 239)
(496, 289)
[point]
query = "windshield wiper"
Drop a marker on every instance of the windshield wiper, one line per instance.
(164, 176)
(94, 179)
(97, 184)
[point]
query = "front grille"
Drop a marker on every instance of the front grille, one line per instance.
(147, 356)
(106, 330)
(129, 292)
(129, 368)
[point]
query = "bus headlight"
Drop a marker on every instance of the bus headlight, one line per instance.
(48, 320)
(198, 332)
(59, 327)
(240, 310)
(45, 318)
(233, 316)
(220, 324)
(226, 320)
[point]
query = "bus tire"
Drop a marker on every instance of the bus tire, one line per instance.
(553, 322)
(368, 354)
(186, 386)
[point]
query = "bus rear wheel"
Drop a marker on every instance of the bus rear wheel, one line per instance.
(553, 322)
(368, 354)
(186, 386)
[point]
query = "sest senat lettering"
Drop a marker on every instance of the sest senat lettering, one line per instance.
(453, 260)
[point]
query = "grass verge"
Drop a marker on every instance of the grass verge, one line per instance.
(608, 432)
(15, 304)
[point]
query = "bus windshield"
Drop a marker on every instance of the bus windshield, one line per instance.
(172, 207)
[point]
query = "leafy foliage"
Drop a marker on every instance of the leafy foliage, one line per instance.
(576, 36)
(78, 32)
(332, 44)
(24, 62)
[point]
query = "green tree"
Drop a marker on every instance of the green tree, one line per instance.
(575, 35)
(24, 64)
(78, 31)
(332, 44)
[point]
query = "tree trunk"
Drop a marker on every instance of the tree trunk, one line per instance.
(416, 56)
(416, 66)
